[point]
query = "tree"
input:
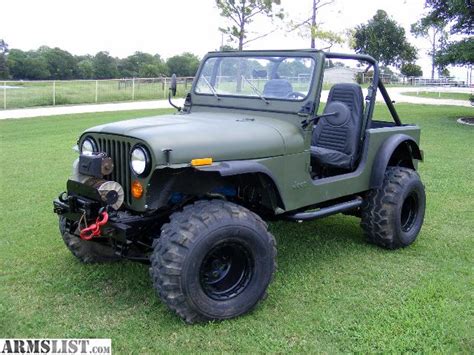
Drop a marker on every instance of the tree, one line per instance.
(241, 13)
(411, 69)
(27, 65)
(4, 73)
(105, 66)
(61, 64)
(445, 73)
(185, 64)
(435, 32)
(312, 29)
(142, 65)
(457, 53)
(85, 68)
(385, 40)
(459, 15)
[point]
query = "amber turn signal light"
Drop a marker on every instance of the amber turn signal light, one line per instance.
(201, 161)
(137, 189)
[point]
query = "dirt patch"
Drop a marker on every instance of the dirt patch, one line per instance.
(466, 120)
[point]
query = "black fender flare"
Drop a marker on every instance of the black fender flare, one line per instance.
(384, 154)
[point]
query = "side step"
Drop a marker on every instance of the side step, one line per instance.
(326, 211)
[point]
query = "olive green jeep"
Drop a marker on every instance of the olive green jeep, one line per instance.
(188, 193)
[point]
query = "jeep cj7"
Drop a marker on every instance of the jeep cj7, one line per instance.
(188, 193)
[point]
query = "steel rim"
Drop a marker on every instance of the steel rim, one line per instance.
(409, 212)
(226, 271)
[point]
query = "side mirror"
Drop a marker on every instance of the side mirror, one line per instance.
(173, 85)
(172, 92)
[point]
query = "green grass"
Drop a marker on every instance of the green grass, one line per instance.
(439, 95)
(29, 94)
(332, 292)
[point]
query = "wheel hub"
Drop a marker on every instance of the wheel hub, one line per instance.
(225, 271)
(409, 212)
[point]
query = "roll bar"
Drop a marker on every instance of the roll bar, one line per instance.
(376, 84)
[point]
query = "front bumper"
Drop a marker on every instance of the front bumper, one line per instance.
(83, 201)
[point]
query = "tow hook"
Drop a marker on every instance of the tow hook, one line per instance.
(94, 229)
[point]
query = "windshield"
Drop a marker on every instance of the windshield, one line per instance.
(281, 78)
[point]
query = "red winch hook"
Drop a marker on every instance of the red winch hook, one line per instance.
(94, 229)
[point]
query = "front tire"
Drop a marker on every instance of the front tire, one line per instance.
(214, 260)
(392, 215)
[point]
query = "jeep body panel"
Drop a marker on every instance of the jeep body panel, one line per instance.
(221, 136)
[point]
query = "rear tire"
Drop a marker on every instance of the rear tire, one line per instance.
(214, 260)
(86, 251)
(392, 215)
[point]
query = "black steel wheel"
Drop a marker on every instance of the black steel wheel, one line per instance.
(214, 260)
(226, 270)
(392, 216)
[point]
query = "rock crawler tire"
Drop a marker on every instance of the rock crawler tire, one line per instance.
(88, 252)
(214, 260)
(392, 215)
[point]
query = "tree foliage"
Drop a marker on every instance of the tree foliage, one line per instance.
(459, 15)
(4, 72)
(311, 28)
(61, 64)
(143, 65)
(457, 53)
(411, 69)
(185, 64)
(384, 39)
(434, 30)
(240, 14)
(56, 64)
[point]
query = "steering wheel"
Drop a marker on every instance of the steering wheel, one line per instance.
(295, 95)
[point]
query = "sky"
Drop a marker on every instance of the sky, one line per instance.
(170, 27)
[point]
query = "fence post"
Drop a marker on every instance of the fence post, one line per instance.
(4, 95)
(133, 89)
(54, 93)
(96, 90)
(164, 88)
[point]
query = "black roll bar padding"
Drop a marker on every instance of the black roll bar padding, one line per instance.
(389, 103)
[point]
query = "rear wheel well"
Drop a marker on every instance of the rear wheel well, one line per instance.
(402, 156)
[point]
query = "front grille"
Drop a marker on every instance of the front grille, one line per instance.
(119, 151)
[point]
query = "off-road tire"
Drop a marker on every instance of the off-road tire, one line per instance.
(392, 215)
(87, 252)
(186, 245)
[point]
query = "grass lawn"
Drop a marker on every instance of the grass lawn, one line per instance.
(439, 95)
(332, 292)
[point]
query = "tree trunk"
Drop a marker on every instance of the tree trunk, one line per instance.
(433, 57)
(313, 24)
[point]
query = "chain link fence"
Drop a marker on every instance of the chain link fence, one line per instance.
(22, 94)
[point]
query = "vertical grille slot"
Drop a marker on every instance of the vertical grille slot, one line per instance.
(119, 152)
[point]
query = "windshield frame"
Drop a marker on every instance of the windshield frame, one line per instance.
(258, 55)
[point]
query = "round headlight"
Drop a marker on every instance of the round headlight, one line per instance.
(139, 160)
(88, 146)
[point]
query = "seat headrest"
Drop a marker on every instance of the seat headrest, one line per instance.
(280, 88)
(350, 94)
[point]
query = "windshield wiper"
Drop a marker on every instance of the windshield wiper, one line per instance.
(255, 90)
(213, 91)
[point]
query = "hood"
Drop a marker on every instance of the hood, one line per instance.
(221, 136)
